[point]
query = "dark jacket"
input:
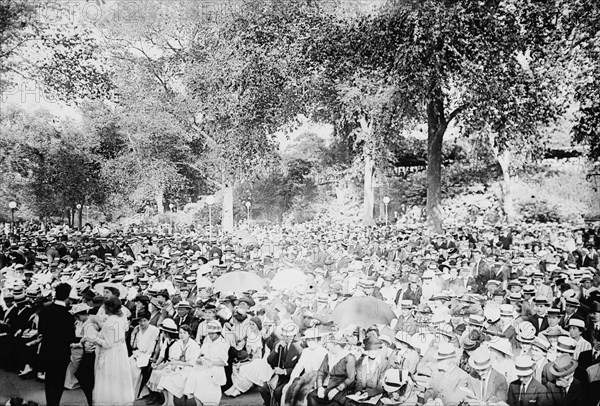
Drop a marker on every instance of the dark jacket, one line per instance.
(57, 327)
(574, 397)
(285, 358)
(536, 394)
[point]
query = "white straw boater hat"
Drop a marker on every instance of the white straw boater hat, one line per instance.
(445, 351)
(524, 365)
(480, 359)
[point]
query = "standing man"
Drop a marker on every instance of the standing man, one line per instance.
(527, 390)
(57, 327)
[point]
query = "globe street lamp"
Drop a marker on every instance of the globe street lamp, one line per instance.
(210, 200)
(79, 206)
(12, 206)
(248, 208)
(386, 201)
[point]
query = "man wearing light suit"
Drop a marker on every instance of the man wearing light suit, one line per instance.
(446, 381)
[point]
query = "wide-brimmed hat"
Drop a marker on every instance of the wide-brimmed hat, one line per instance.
(541, 343)
(577, 322)
(80, 308)
(507, 310)
(314, 333)
(476, 320)
(566, 344)
(243, 357)
(480, 359)
(525, 332)
(184, 304)
(407, 304)
(541, 300)
(502, 345)
(169, 326)
(563, 365)
(573, 302)
(445, 351)
(395, 379)
(213, 326)
(524, 365)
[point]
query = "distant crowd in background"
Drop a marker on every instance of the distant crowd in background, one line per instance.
(318, 313)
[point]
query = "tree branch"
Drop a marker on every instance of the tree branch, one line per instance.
(455, 113)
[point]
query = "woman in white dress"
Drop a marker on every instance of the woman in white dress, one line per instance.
(113, 384)
(184, 354)
(143, 342)
(205, 380)
(168, 339)
(249, 367)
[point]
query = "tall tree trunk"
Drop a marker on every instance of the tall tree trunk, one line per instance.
(227, 217)
(507, 198)
(158, 198)
(369, 192)
(381, 203)
(79, 217)
(436, 127)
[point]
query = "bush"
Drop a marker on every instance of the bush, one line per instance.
(540, 211)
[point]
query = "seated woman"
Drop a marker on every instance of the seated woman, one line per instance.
(250, 368)
(303, 378)
(339, 366)
(398, 389)
(205, 379)
(370, 370)
(143, 341)
(183, 356)
(168, 338)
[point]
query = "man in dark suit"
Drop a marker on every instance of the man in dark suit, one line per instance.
(57, 327)
(185, 316)
(567, 390)
(527, 391)
(7, 331)
(539, 318)
(590, 357)
(283, 359)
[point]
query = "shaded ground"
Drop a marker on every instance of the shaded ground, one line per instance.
(13, 386)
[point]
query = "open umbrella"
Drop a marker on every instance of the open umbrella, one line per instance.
(362, 311)
(288, 279)
(238, 281)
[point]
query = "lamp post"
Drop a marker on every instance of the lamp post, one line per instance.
(171, 205)
(12, 206)
(210, 200)
(79, 206)
(248, 204)
(386, 201)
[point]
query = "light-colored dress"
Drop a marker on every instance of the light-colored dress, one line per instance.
(157, 373)
(113, 384)
(174, 378)
(204, 381)
(144, 342)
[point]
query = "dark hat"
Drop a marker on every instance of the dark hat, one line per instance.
(98, 300)
(563, 365)
(243, 357)
(142, 298)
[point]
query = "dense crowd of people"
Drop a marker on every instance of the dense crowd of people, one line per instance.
(315, 313)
